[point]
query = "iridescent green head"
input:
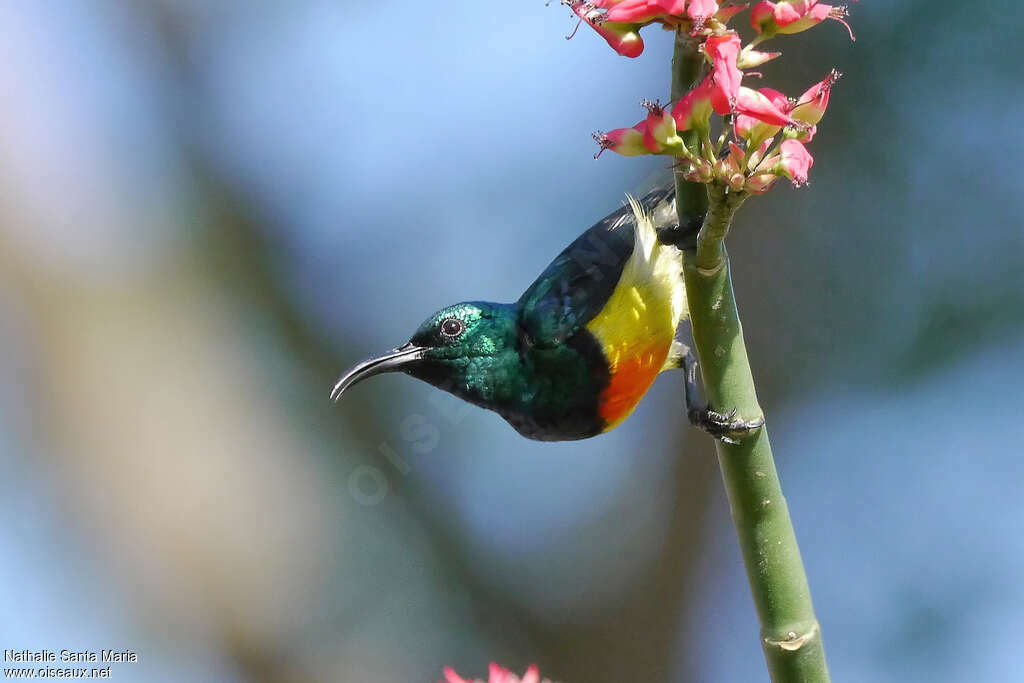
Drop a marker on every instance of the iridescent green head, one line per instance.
(466, 349)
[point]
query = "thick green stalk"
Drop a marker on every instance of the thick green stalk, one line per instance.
(790, 634)
(688, 68)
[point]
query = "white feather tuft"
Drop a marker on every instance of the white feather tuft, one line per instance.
(645, 235)
(652, 260)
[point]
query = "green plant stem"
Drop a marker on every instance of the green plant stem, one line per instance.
(688, 68)
(790, 634)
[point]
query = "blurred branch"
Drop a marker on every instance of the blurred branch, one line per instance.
(790, 634)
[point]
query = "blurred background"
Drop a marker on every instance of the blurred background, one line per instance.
(210, 209)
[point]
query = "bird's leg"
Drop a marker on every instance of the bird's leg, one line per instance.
(724, 426)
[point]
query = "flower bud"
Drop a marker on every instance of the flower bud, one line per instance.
(761, 183)
(628, 142)
(794, 162)
(660, 136)
(794, 16)
(622, 37)
(749, 58)
(812, 104)
(693, 110)
(758, 154)
(701, 172)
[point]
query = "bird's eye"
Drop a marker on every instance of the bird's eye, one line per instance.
(452, 328)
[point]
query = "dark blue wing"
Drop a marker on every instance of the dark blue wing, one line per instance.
(578, 283)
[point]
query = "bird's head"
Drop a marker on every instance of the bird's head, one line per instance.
(458, 349)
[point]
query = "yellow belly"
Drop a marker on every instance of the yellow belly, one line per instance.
(636, 333)
(638, 323)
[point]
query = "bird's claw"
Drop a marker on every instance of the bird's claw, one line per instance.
(725, 427)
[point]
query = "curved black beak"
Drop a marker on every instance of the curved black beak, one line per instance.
(389, 362)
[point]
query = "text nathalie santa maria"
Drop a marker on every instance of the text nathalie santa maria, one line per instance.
(70, 656)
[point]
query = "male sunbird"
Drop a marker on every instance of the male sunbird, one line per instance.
(573, 357)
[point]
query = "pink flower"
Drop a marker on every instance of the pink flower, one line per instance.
(619, 21)
(657, 134)
(645, 11)
(660, 135)
(497, 674)
(693, 110)
(753, 129)
(724, 50)
(671, 13)
(623, 38)
(794, 162)
(757, 105)
(728, 96)
(793, 16)
(628, 142)
(812, 104)
(702, 10)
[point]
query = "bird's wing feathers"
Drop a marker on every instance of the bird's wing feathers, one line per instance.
(579, 282)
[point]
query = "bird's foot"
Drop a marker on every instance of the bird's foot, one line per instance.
(725, 427)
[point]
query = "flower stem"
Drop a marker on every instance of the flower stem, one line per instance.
(790, 634)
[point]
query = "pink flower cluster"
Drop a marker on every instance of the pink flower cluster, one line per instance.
(619, 21)
(766, 130)
(498, 674)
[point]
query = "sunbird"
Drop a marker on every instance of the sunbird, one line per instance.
(573, 357)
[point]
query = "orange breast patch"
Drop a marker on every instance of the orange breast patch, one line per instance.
(633, 370)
